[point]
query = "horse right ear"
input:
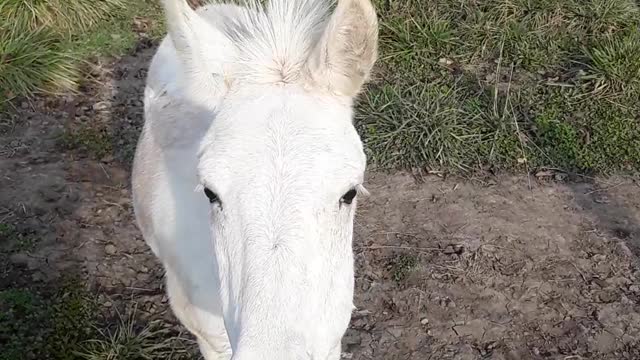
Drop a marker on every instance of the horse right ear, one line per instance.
(343, 59)
(201, 47)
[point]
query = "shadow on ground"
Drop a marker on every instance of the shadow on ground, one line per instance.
(614, 208)
(73, 265)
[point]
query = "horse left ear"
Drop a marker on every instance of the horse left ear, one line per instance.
(348, 48)
(202, 48)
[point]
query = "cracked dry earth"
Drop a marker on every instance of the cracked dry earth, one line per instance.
(497, 268)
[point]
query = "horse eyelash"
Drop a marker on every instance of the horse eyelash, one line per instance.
(360, 189)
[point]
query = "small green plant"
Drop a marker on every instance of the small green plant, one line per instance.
(97, 142)
(402, 267)
(13, 240)
(557, 137)
(7, 231)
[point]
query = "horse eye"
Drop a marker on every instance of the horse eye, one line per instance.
(213, 198)
(349, 196)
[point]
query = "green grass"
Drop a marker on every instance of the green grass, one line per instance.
(119, 34)
(461, 86)
(39, 325)
(62, 16)
(34, 60)
(65, 324)
(44, 43)
(505, 85)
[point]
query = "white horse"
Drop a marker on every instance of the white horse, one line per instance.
(247, 171)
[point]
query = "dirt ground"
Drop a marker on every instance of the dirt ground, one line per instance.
(540, 267)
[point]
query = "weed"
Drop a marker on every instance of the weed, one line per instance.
(13, 240)
(97, 142)
(402, 267)
(7, 232)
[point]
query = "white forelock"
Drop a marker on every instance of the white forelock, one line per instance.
(275, 40)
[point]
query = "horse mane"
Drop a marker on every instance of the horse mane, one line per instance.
(282, 41)
(275, 39)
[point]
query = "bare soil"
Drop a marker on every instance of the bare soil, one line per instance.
(505, 267)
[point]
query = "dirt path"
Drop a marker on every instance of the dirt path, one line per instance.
(505, 268)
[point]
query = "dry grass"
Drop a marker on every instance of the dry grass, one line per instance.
(61, 16)
(131, 341)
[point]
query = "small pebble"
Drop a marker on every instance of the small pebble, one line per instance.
(73, 196)
(102, 105)
(50, 195)
(396, 332)
(38, 276)
(110, 249)
(560, 176)
(20, 259)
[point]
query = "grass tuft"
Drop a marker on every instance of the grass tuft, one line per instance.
(31, 61)
(60, 16)
(615, 61)
(132, 342)
(43, 42)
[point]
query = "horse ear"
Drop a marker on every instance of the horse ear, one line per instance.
(200, 45)
(348, 48)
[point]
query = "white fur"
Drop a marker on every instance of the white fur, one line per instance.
(234, 103)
